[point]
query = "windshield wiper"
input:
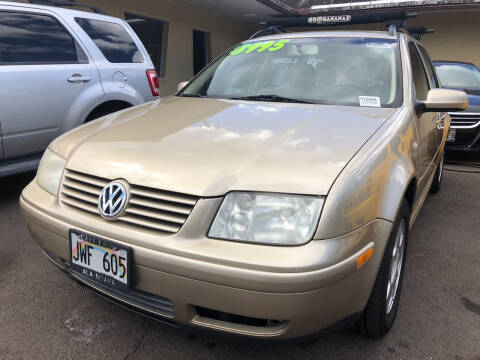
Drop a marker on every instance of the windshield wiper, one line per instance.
(193, 95)
(274, 98)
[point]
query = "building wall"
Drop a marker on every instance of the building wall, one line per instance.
(182, 19)
(456, 34)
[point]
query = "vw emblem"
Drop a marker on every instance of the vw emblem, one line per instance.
(112, 200)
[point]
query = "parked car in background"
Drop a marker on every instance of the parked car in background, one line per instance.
(60, 68)
(465, 126)
(271, 197)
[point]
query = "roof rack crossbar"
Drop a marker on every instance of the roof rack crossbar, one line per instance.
(416, 31)
(67, 3)
(420, 30)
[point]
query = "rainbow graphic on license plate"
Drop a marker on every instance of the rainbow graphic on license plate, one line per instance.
(99, 260)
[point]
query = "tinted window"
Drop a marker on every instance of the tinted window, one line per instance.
(153, 33)
(430, 68)
(419, 75)
(112, 40)
(32, 38)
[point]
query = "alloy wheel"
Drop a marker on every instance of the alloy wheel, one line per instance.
(440, 172)
(396, 266)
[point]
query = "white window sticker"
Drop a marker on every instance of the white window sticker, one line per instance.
(372, 101)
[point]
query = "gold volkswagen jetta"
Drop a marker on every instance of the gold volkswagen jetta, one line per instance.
(272, 196)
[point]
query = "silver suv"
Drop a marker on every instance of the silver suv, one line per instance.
(60, 68)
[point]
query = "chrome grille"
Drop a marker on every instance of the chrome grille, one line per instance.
(465, 120)
(152, 209)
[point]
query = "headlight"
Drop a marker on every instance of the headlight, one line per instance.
(50, 172)
(267, 218)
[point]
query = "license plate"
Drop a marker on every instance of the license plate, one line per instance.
(451, 135)
(101, 261)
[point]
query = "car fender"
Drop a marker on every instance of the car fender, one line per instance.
(374, 182)
(127, 93)
(79, 112)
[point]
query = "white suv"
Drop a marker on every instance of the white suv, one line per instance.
(60, 68)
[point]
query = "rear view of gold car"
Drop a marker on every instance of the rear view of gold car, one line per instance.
(271, 197)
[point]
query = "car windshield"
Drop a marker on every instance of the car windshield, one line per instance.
(338, 71)
(458, 75)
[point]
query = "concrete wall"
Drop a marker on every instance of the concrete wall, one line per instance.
(183, 19)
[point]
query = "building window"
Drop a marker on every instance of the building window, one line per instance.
(201, 50)
(34, 39)
(154, 34)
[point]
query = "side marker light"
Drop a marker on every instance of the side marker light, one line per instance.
(363, 259)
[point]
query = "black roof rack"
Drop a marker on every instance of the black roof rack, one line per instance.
(67, 3)
(397, 17)
(393, 19)
(418, 31)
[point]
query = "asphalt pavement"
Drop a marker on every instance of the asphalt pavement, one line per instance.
(44, 315)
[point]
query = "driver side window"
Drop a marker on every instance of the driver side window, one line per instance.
(418, 72)
(430, 68)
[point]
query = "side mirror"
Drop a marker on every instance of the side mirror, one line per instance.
(444, 100)
(182, 85)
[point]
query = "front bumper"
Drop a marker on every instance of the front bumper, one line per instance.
(243, 298)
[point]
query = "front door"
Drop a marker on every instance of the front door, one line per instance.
(434, 84)
(426, 123)
(43, 75)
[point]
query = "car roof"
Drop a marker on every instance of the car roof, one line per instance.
(322, 34)
(58, 10)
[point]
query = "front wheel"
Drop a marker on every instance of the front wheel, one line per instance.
(437, 181)
(381, 310)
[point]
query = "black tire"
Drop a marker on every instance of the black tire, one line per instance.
(437, 180)
(376, 321)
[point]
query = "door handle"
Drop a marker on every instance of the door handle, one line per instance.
(77, 78)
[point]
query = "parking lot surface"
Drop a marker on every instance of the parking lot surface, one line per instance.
(44, 315)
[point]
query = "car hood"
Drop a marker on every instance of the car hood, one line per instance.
(207, 147)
